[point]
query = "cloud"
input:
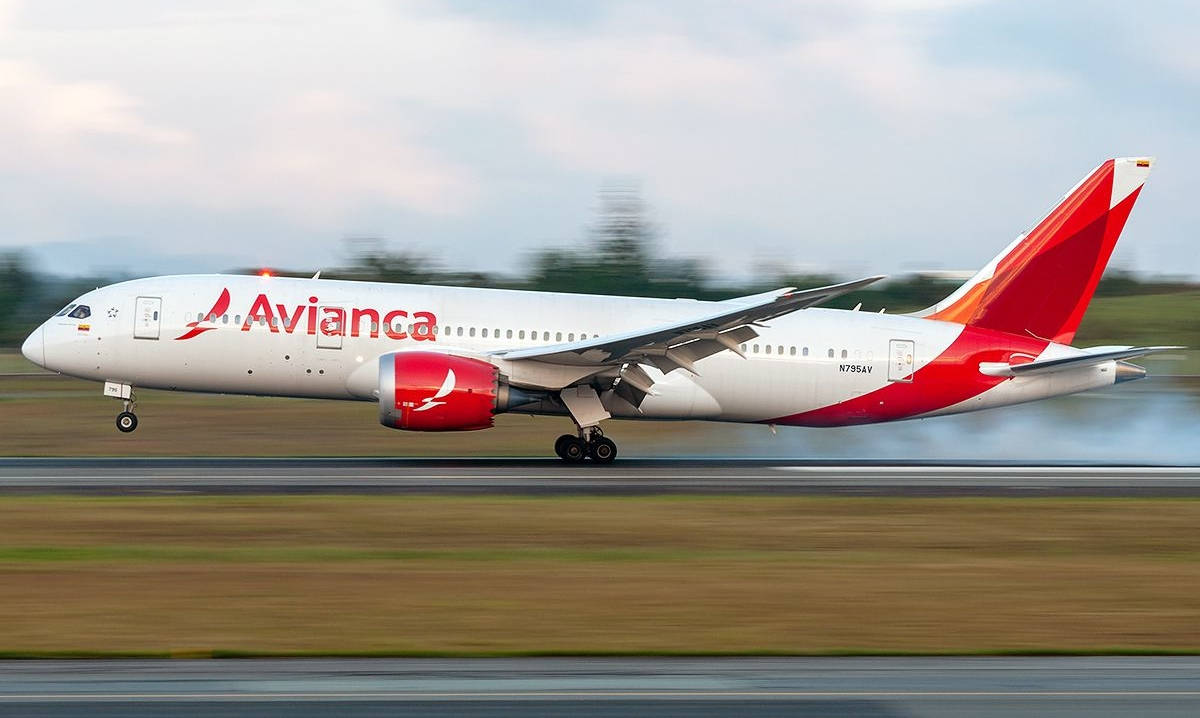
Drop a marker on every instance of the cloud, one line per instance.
(38, 108)
(818, 131)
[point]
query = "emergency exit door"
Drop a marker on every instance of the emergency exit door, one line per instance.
(331, 327)
(147, 313)
(901, 360)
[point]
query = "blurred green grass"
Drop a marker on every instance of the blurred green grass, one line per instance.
(379, 575)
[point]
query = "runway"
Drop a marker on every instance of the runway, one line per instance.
(866, 687)
(629, 477)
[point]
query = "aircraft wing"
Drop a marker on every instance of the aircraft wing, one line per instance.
(680, 344)
(1095, 355)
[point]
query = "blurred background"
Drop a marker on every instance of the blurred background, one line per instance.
(694, 148)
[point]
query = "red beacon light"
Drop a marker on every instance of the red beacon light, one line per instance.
(265, 273)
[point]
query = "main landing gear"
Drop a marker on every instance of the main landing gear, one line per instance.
(590, 444)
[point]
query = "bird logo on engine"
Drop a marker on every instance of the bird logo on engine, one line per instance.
(431, 401)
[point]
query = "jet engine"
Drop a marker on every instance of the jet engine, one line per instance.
(431, 391)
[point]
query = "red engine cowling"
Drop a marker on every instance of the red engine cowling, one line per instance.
(428, 391)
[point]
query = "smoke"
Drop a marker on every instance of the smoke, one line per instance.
(1152, 422)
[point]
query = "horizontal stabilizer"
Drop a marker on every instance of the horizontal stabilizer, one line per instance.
(1098, 355)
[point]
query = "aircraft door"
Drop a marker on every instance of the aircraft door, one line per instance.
(331, 327)
(902, 355)
(147, 317)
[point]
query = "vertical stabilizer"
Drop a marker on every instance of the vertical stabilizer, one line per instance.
(1041, 284)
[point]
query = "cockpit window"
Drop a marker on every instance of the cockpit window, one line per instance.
(63, 312)
(83, 311)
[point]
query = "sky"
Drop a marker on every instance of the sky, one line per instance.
(859, 136)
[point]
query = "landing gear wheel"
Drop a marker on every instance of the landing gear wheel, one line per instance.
(602, 450)
(127, 421)
(559, 444)
(573, 449)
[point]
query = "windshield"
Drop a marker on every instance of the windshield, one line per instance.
(63, 312)
(82, 311)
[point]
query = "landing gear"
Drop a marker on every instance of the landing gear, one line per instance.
(586, 409)
(602, 450)
(127, 421)
(571, 449)
(590, 443)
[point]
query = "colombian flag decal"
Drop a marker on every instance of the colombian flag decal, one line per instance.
(85, 327)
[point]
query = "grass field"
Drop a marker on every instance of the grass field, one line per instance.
(456, 575)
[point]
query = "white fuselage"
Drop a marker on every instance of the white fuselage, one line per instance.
(138, 334)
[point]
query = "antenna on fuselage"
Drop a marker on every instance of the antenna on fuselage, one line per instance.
(317, 275)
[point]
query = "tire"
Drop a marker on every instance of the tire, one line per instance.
(574, 450)
(603, 451)
(127, 421)
(558, 445)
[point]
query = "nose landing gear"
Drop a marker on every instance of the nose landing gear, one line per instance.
(591, 443)
(127, 421)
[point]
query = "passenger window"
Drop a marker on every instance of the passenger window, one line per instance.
(485, 332)
(496, 333)
(571, 337)
(508, 334)
(472, 332)
(755, 348)
(458, 332)
(224, 318)
(558, 337)
(767, 349)
(521, 334)
(237, 319)
(781, 350)
(844, 354)
(81, 312)
(804, 351)
(830, 353)
(792, 351)
(156, 316)
(63, 312)
(743, 348)
(199, 316)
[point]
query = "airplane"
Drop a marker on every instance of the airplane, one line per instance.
(450, 358)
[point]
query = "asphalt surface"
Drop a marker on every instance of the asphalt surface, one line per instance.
(868, 687)
(550, 476)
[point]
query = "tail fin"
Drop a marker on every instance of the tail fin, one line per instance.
(1041, 283)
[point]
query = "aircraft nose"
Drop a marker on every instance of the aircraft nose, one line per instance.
(34, 347)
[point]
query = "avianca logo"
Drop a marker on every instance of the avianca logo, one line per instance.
(330, 321)
(219, 307)
(431, 401)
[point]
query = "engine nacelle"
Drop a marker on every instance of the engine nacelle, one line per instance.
(430, 391)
